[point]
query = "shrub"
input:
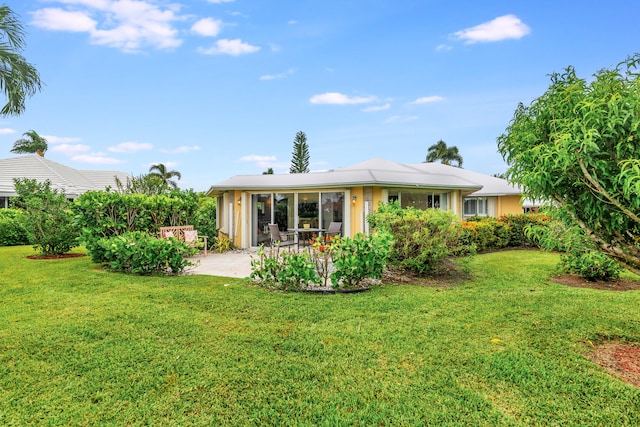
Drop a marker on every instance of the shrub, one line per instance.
(48, 220)
(561, 233)
(13, 231)
(591, 265)
(277, 269)
(486, 234)
(422, 239)
(358, 258)
(139, 253)
(517, 226)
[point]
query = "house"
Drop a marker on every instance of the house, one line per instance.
(71, 182)
(248, 203)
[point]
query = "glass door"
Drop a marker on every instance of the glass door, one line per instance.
(260, 219)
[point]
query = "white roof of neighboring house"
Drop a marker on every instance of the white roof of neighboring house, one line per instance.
(379, 172)
(72, 182)
(491, 186)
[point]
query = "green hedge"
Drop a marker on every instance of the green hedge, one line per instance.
(13, 231)
(139, 253)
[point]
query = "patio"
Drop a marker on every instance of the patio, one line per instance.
(228, 264)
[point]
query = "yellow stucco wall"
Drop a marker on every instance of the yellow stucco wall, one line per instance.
(508, 205)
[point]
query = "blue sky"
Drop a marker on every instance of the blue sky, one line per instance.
(216, 88)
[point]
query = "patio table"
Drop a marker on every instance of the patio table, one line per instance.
(304, 234)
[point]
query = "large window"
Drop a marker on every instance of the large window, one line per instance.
(473, 206)
(318, 209)
(419, 199)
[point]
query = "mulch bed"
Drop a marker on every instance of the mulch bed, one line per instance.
(61, 256)
(579, 282)
(622, 360)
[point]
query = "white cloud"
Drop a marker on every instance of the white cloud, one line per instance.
(428, 99)
(220, 1)
(292, 22)
(168, 165)
(7, 131)
(501, 28)
(278, 76)
(335, 98)
(400, 119)
(265, 161)
(63, 20)
(182, 149)
(443, 48)
(233, 47)
(96, 159)
(70, 149)
(377, 108)
(129, 25)
(131, 147)
(51, 139)
(207, 27)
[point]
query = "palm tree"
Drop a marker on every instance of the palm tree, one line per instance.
(18, 78)
(30, 142)
(446, 155)
(160, 170)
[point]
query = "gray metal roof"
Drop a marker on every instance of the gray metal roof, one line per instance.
(72, 182)
(378, 172)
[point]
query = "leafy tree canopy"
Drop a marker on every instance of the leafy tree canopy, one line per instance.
(18, 78)
(446, 155)
(300, 156)
(578, 146)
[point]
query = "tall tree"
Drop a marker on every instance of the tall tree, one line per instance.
(446, 155)
(160, 170)
(300, 156)
(18, 78)
(578, 146)
(31, 142)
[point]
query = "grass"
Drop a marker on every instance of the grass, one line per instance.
(80, 346)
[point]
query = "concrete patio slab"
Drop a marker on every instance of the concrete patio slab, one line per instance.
(229, 264)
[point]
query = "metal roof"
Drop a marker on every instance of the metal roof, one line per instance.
(374, 172)
(72, 182)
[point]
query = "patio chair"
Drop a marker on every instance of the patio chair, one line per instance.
(334, 229)
(281, 238)
(192, 239)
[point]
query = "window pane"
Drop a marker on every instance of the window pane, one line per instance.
(332, 208)
(284, 211)
(308, 209)
(469, 207)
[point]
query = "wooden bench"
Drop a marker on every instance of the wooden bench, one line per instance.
(178, 232)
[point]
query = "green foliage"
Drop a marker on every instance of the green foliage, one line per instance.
(12, 227)
(517, 224)
(165, 176)
(139, 253)
(591, 265)
(106, 214)
(18, 79)
(488, 233)
(31, 142)
(347, 261)
(581, 256)
(446, 155)
(287, 271)
(300, 155)
(358, 258)
(423, 239)
(48, 219)
(204, 219)
(578, 146)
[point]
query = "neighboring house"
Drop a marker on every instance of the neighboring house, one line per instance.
(248, 203)
(71, 182)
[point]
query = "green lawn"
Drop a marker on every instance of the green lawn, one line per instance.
(80, 346)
